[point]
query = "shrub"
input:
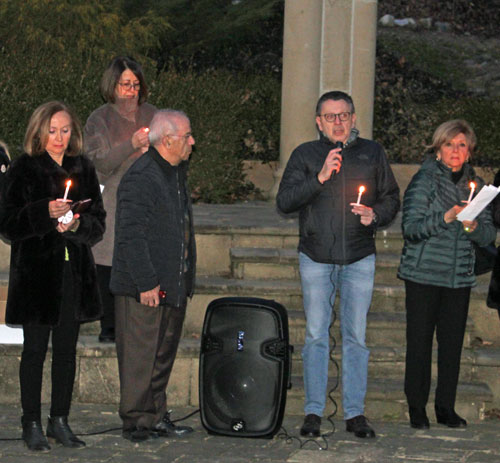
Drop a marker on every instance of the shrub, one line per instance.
(413, 95)
(215, 102)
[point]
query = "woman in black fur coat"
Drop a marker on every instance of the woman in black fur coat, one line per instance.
(52, 282)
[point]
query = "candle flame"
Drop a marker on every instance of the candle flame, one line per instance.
(472, 185)
(362, 189)
(68, 183)
(146, 130)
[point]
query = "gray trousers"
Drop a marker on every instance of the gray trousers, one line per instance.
(146, 343)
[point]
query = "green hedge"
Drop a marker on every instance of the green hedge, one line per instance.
(50, 51)
(234, 116)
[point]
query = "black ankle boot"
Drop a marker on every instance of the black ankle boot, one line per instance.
(448, 417)
(418, 418)
(58, 430)
(33, 436)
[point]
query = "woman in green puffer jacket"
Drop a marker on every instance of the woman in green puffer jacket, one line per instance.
(437, 265)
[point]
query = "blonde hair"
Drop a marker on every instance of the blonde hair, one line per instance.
(37, 132)
(449, 130)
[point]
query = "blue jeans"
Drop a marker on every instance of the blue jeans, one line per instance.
(319, 285)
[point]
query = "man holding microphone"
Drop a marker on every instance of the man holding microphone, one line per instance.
(322, 181)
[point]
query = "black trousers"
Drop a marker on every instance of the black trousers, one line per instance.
(146, 344)
(36, 340)
(108, 300)
(428, 309)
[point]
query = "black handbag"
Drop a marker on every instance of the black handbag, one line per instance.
(485, 258)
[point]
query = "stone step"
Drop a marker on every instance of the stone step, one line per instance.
(385, 400)
(389, 362)
(280, 263)
(383, 329)
(386, 298)
(97, 380)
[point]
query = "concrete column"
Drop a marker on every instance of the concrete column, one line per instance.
(301, 76)
(328, 45)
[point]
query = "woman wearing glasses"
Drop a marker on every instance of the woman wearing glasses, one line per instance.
(115, 135)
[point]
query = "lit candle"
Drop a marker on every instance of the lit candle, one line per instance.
(68, 184)
(361, 191)
(146, 130)
(472, 188)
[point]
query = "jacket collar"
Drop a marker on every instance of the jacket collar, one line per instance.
(431, 163)
(70, 164)
(353, 136)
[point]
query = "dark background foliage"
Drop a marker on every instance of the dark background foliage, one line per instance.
(220, 61)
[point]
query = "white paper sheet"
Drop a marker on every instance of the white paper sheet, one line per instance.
(482, 199)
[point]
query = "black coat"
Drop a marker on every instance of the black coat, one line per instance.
(493, 300)
(154, 231)
(329, 231)
(38, 249)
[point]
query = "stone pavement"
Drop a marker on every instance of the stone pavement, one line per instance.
(395, 442)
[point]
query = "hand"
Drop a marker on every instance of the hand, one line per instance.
(140, 139)
(451, 214)
(151, 298)
(366, 214)
(59, 207)
(469, 225)
(333, 162)
(64, 227)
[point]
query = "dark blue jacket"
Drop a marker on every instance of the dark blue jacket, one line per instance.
(152, 237)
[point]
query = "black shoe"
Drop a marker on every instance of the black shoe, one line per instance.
(311, 426)
(59, 431)
(165, 427)
(138, 434)
(448, 417)
(33, 436)
(107, 335)
(418, 418)
(359, 426)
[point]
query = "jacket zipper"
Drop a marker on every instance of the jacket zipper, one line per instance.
(182, 237)
(421, 252)
(343, 214)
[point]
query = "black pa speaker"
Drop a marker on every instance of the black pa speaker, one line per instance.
(245, 363)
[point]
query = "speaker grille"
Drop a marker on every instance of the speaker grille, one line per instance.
(242, 367)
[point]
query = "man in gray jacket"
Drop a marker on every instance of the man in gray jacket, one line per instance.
(153, 274)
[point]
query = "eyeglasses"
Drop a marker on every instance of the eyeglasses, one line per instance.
(129, 85)
(330, 117)
(187, 136)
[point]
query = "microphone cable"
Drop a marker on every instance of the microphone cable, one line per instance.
(104, 431)
(333, 344)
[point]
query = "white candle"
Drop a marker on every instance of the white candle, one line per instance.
(68, 184)
(472, 188)
(361, 190)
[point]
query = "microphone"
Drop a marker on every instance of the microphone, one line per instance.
(337, 144)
